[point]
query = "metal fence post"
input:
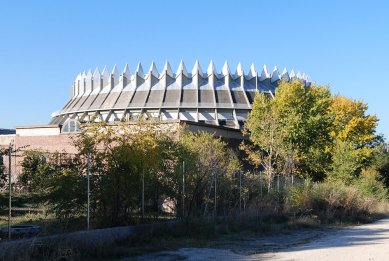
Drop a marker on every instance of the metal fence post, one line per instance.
(215, 195)
(183, 189)
(88, 189)
(240, 191)
(10, 191)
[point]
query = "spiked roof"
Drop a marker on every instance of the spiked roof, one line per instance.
(217, 98)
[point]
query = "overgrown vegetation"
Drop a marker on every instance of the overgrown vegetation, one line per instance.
(316, 158)
(3, 176)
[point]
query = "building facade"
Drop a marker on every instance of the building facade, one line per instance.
(214, 98)
(212, 101)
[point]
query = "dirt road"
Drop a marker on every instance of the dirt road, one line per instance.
(364, 242)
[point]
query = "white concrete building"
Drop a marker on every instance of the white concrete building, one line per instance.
(212, 98)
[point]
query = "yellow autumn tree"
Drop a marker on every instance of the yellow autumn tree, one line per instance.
(353, 125)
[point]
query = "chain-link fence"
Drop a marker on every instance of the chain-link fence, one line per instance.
(245, 191)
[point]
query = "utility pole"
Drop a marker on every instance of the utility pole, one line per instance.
(10, 191)
(183, 189)
(88, 188)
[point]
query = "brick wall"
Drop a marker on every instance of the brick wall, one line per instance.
(55, 143)
(60, 143)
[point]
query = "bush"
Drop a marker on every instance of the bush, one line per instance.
(332, 201)
(369, 185)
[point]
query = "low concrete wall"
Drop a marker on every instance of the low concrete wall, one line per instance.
(5, 140)
(81, 240)
(44, 130)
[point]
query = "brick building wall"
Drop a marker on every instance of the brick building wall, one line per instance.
(48, 138)
(55, 143)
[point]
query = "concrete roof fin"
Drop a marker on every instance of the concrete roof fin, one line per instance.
(96, 73)
(292, 74)
(285, 75)
(239, 69)
(153, 70)
(105, 73)
(78, 77)
(265, 73)
(211, 69)
(252, 73)
(275, 77)
(126, 72)
(182, 69)
(226, 69)
(115, 72)
(139, 70)
(197, 69)
(168, 69)
(89, 74)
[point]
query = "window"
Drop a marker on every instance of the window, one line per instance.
(71, 126)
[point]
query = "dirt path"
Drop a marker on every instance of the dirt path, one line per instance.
(365, 242)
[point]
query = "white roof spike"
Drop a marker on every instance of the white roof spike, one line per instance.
(226, 69)
(115, 71)
(97, 72)
(182, 68)
(252, 73)
(239, 69)
(105, 72)
(298, 75)
(153, 70)
(285, 75)
(168, 69)
(265, 73)
(126, 72)
(292, 74)
(211, 68)
(275, 77)
(139, 70)
(197, 69)
(78, 77)
(89, 74)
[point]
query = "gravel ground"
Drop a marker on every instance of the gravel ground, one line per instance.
(364, 242)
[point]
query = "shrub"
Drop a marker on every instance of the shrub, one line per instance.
(369, 185)
(331, 201)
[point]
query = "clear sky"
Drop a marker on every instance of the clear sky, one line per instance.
(45, 44)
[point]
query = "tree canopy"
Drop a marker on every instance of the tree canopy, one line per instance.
(310, 127)
(292, 125)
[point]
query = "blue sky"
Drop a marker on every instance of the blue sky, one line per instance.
(45, 44)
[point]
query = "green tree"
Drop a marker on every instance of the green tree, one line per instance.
(292, 126)
(66, 193)
(268, 148)
(304, 116)
(208, 161)
(345, 164)
(128, 163)
(380, 161)
(35, 171)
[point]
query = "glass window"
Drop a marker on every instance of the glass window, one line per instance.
(71, 126)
